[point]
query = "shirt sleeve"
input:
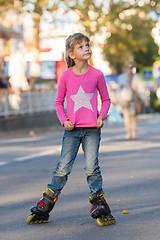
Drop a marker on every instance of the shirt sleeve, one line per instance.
(60, 98)
(105, 99)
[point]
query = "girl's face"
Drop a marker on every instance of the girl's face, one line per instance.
(81, 51)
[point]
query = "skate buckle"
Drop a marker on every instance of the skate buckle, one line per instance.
(41, 203)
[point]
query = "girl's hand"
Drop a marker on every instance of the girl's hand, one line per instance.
(68, 125)
(99, 122)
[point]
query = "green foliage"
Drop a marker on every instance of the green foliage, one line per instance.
(4, 3)
(136, 44)
(39, 7)
(154, 102)
(127, 26)
(146, 55)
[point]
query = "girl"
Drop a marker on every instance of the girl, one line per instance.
(82, 123)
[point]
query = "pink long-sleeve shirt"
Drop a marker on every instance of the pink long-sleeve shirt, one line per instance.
(81, 97)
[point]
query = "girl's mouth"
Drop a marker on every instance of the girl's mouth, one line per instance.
(88, 53)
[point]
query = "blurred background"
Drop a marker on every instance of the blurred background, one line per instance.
(32, 42)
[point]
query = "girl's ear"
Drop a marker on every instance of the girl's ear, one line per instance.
(71, 55)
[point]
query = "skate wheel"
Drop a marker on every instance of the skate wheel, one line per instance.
(37, 219)
(100, 222)
(30, 218)
(106, 220)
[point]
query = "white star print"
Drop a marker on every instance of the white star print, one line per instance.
(82, 99)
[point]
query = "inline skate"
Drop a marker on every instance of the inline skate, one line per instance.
(100, 210)
(40, 211)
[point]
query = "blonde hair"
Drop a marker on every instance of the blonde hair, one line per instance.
(71, 41)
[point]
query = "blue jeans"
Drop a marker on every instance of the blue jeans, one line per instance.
(90, 139)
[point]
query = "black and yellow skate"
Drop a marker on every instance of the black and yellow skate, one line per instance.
(40, 211)
(100, 210)
(34, 218)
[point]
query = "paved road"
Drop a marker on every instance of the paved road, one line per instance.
(131, 173)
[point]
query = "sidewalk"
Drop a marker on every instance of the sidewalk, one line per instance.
(48, 122)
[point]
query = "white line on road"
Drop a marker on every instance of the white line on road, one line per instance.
(118, 137)
(50, 152)
(3, 163)
(108, 139)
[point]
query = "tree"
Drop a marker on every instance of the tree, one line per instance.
(36, 8)
(127, 27)
(132, 39)
(6, 4)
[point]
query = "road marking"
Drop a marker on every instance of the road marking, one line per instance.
(108, 139)
(50, 152)
(119, 137)
(57, 149)
(3, 163)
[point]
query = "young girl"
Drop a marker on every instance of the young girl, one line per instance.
(82, 122)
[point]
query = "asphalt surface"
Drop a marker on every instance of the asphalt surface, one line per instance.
(131, 180)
